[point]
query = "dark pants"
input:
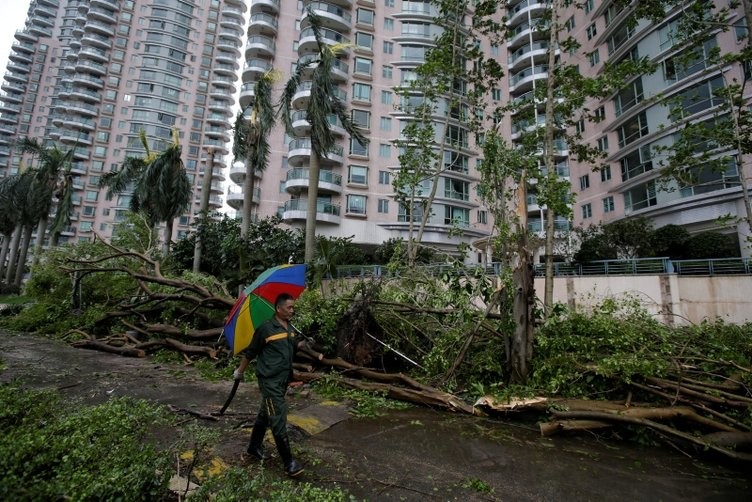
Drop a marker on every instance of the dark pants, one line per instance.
(273, 410)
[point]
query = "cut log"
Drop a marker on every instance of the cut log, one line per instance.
(551, 428)
(191, 349)
(103, 347)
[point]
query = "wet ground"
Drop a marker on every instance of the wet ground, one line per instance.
(415, 454)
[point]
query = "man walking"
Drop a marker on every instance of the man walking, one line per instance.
(274, 344)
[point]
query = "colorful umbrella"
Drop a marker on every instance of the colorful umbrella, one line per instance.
(256, 303)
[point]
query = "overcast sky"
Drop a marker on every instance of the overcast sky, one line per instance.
(12, 17)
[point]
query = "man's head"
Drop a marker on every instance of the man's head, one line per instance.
(284, 306)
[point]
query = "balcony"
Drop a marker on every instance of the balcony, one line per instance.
(40, 31)
(82, 108)
(225, 82)
(25, 36)
(87, 80)
(523, 81)
(97, 40)
(326, 212)
(301, 126)
(331, 15)
(263, 24)
(11, 97)
(95, 54)
(247, 94)
(537, 52)
(16, 77)
(98, 28)
(307, 43)
(18, 67)
(104, 15)
(297, 181)
(255, 68)
(92, 67)
(12, 87)
(265, 5)
(21, 57)
(229, 43)
(340, 69)
(259, 45)
(217, 132)
(519, 12)
(299, 153)
(303, 94)
(225, 68)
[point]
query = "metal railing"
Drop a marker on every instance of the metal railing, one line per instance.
(638, 266)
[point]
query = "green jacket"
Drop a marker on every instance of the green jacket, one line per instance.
(274, 346)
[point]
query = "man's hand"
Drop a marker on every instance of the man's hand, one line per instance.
(237, 374)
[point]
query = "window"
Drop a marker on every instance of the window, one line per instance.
(599, 114)
(385, 150)
(698, 98)
(589, 5)
(364, 40)
(640, 197)
(383, 206)
(689, 62)
(456, 189)
(361, 118)
(356, 204)
(482, 217)
(592, 31)
(386, 97)
(388, 47)
(385, 124)
(628, 97)
(458, 216)
(636, 162)
(358, 148)
(357, 175)
(91, 196)
(89, 211)
(580, 126)
(363, 66)
(594, 57)
(584, 181)
(633, 129)
(388, 24)
(365, 16)
(361, 92)
(608, 204)
(386, 72)
(388, 3)
(587, 211)
(605, 174)
(496, 94)
(569, 24)
(602, 144)
(384, 178)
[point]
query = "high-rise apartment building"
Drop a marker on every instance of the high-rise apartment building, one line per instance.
(638, 120)
(90, 75)
(387, 40)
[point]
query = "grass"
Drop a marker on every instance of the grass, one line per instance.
(14, 299)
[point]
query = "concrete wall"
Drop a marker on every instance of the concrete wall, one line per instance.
(676, 299)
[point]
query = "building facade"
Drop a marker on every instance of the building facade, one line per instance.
(90, 75)
(386, 40)
(644, 118)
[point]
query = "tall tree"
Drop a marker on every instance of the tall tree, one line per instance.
(323, 103)
(443, 105)
(158, 183)
(251, 142)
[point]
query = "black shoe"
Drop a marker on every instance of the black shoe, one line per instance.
(293, 469)
(256, 446)
(258, 452)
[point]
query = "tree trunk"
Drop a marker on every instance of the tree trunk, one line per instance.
(548, 150)
(313, 194)
(167, 237)
(39, 244)
(249, 184)
(13, 254)
(203, 209)
(521, 350)
(23, 252)
(4, 253)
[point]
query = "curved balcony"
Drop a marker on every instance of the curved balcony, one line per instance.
(102, 14)
(18, 67)
(297, 181)
(225, 68)
(419, 11)
(78, 123)
(238, 3)
(21, 57)
(9, 118)
(94, 53)
(331, 15)
(299, 153)
(222, 107)
(217, 132)
(91, 67)
(247, 94)
(98, 28)
(340, 69)
(236, 197)
(263, 24)
(75, 137)
(523, 33)
(231, 22)
(82, 108)
(537, 52)
(265, 6)
(25, 36)
(307, 42)
(12, 87)
(23, 47)
(87, 80)
(16, 77)
(96, 40)
(255, 68)
(301, 126)
(11, 98)
(303, 94)
(237, 11)
(6, 107)
(40, 31)
(258, 45)
(519, 12)
(229, 44)
(523, 81)
(219, 146)
(226, 82)
(326, 212)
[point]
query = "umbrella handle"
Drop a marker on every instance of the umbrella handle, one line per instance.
(230, 397)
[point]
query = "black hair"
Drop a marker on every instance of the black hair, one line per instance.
(282, 298)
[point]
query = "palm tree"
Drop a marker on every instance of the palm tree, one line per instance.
(21, 198)
(53, 183)
(160, 185)
(251, 141)
(323, 104)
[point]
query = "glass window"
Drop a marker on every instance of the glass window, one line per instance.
(608, 204)
(386, 97)
(385, 150)
(358, 148)
(356, 204)
(357, 175)
(388, 47)
(605, 174)
(361, 118)
(584, 182)
(587, 211)
(384, 178)
(364, 40)
(383, 206)
(385, 124)
(387, 72)
(363, 66)
(361, 92)
(365, 16)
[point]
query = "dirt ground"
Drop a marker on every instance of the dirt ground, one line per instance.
(415, 454)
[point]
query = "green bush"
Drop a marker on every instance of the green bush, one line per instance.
(51, 449)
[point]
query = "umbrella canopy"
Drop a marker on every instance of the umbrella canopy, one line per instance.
(256, 303)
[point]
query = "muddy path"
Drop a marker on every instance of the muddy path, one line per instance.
(414, 454)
